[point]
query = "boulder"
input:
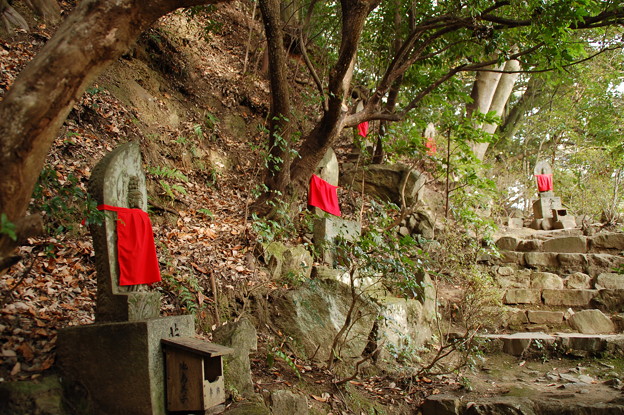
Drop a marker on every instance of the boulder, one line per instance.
(315, 312)
(288, 262)
(389, 182)
(546, 280)
(591, 322)
(242, 337)
(441, 405)
(284, 402)
(578, 280)
(404, 325)
(507, 243)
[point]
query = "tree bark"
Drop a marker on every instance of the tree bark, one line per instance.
(323, 135)
(11, 19)
(278, 175)
(31, 113)
(502, 93)
(49, 10)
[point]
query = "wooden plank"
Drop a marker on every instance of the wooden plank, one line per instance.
(197, 346)
(185, 381)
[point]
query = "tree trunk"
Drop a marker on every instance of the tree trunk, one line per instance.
(511, 124)
(11, 19)
(49, 10)
(33, 110)
(502, 93)
(278, 175)
(332, 122)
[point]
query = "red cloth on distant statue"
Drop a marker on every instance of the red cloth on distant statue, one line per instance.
(544, 182)
(323, 195)
(431, 146)
(363, 128)
(136, 252)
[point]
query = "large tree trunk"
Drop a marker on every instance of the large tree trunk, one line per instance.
(31, 113)
(11, 19)
(502, 93)
(278, 175)
(49, 10)
(327, 130)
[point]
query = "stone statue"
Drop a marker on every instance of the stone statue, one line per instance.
(118, 180)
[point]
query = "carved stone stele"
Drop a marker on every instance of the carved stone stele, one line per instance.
(118, 180)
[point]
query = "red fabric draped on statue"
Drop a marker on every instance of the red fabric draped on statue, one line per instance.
(544, 182)
(323, 195)
(136, 252)
(363, 129)
(431, 146)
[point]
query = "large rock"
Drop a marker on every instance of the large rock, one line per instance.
(405, 325)
(570, 298)
(314, 313)
(242, 337)
(608, 241)
(610, 281)
(591, 322)
(546, 280)
(287, 403)
(570, 244)
(441, 405)
(293, 263)
(577, 281)
(39, 397)
(387, 181)
(507, 243)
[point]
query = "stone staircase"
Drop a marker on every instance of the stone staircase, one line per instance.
(560, 291)
(563, 305)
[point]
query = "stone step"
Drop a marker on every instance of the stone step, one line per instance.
(607, 300)
(590, 321)
(572, 241)
(518, 344)
(592, 264)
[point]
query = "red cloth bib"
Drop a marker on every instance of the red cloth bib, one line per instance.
(431, 146)
(363, 128)
(544, 182)
(323, 195)
(136, 252)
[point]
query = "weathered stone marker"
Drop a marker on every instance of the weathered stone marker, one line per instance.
(118, 180)
(547, 210)
(116, 365)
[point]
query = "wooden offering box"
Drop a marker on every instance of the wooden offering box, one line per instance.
(194, 374)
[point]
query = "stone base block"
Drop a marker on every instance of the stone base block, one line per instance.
(117, 368)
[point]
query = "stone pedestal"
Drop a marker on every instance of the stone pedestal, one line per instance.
(117, 368)
(326, 230)
(543, 207)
